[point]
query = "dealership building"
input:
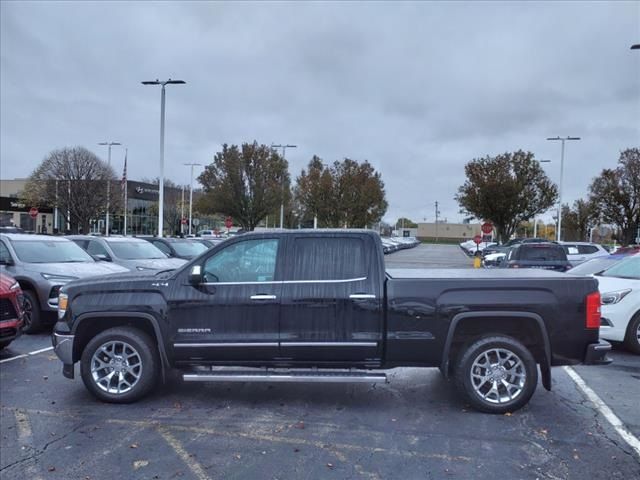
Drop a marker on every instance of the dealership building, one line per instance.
(142, 213)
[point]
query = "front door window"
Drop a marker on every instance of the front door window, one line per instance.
(250, 261)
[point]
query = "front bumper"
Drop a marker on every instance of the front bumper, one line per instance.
(63, 346)
(10, 329)
(597, 353)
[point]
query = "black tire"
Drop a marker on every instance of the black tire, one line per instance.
(146, 365)
(4, 345)
(32, 320)
(632, 338)
(519, 366)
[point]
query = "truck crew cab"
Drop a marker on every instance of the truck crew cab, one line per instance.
(319, 306)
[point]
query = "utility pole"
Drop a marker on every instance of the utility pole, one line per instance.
(437, 214)
(284, 149)
(161, 183)
(563, 140)
(191, 192)
(108, 144)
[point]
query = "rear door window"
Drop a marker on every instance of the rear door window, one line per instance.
(329, 258)
(587, 249)
(545, 253)
(571, 249)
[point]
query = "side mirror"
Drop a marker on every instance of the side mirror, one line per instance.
(6, 262)
(195, 277)
(101, 257)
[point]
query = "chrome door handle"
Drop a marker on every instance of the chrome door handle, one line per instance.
(362, 296)
(261, 296)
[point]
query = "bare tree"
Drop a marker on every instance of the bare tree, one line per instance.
(74, 179)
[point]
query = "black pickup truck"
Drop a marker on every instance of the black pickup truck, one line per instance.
(318, 306)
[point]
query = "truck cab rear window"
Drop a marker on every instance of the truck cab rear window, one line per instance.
(326, 258)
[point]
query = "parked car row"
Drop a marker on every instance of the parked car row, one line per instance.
(393, 244)
(42, 264)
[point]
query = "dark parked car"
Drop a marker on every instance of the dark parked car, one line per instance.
(178, 247)
(504, 248)
(10, 310)
(320, 304)
(548, 256)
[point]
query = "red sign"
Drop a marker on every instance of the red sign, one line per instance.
(228, 222)
(33, 213)
(477, 239)
(487, 228)
(184, 221)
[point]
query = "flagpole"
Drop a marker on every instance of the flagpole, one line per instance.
(126, 192)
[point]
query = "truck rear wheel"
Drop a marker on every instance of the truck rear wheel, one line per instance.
(120, 365)
(497, 374)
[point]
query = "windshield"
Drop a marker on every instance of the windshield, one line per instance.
(627, 268)
(136, 250)
(594, 266)
(190, 249)
(44, 251)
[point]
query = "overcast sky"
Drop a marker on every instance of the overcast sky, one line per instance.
(417, 89)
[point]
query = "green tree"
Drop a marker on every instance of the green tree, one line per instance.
(615, 194)
(403, 221)
(347, 193)
(74, 179)
(577, 220)
(507, 189)
(246, 183)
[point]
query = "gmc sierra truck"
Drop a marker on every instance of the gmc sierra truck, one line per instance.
(319, 306)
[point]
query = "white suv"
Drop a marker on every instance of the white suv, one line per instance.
(580, 252)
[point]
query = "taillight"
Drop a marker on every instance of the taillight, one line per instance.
(592, 319)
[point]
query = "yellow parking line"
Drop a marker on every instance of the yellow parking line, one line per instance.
(25, 438)
(297, 441)
(173, 442)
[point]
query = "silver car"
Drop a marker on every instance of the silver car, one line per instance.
(132, 253)
(42, 264)
(580, 252)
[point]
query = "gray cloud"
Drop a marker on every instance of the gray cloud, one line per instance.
(418, 89)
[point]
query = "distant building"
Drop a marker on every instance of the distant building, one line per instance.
(448, 231)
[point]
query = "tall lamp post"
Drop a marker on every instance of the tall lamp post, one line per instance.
(535, 220)
(563, 140)
(161, 186)
(284, 150)
(106, 224)
(191, 192)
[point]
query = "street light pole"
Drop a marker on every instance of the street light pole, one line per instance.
(535, 220)
(284, 149)
(563, 140)
(191, 192)
(161, 183)
(109, 145)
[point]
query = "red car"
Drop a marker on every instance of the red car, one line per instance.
(10, 310)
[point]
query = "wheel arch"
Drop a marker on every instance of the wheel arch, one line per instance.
(467, 325)
(88, 325)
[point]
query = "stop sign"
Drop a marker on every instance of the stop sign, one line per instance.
(33, 212)
(228, 222)
(487, 228)
(477, 239)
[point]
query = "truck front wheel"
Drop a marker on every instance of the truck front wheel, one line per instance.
(497, 374)
(120, 365)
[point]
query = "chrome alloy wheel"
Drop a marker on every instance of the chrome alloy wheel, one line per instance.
(116, 367)
(638, 334)
(498, 375)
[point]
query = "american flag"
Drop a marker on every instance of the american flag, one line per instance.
(123, 184)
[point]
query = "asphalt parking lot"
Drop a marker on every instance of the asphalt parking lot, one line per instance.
(414, 427)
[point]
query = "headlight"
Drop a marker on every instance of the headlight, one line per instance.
(611, 298)
(63, 300)
(54, 277)
(15, 286)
